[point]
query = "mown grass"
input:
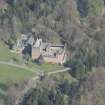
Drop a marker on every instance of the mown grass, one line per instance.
(5, 53)
(45, 67)
(11, 74)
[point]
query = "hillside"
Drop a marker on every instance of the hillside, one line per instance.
(79, 24)
(88, 91)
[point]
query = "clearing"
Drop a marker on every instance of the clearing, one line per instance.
(12, 74)
(6, 55)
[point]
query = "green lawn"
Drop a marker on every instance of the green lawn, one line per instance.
(12, 74)
(51, 67)
(46, 67)
(5, 53)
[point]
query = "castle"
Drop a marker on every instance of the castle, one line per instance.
(50, 53)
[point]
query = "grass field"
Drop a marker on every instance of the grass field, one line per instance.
(12, 74)
(5, 53)
(46, 67)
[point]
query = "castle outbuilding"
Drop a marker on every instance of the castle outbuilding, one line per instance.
(55, 54)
